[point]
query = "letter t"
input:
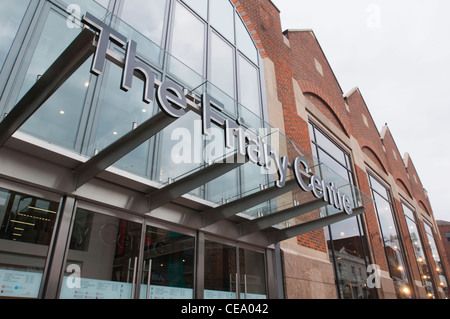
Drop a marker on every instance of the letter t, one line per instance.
(105, 34)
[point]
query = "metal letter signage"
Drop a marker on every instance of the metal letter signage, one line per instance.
(172, 101)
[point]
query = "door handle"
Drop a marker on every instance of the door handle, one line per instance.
(149, 277)
(133, 283)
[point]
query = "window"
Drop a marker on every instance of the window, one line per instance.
(392, 245)
(422, 262)
(222, 65)
(346, 242)
(27, 225)
(221, 17)
(147, 17)
(11, 16)
(442, 282)
(188, 39)
(59, 119)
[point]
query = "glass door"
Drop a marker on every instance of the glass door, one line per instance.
(103, 255)
(252, 274)
(232, 272)
(168, 265)
(220, 271)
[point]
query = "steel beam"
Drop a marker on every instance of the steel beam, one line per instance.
(56, 75)
(193, 181)
(293, 231)
(267, 221)
(217, 214)
(121, 147)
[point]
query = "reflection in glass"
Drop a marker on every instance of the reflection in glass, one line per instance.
(104, 250)
(419, 254)
(442, 281)
(393, 249)
(147, 17)
(244, 41)
(59, 119)
(248, 86)
(27, 225)
(170, 256)
(11, 15)
(222, 66)
(187, 43)
(199, 6)
(221, 18)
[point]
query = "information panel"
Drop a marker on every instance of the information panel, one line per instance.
(96, 289)
(19, 284)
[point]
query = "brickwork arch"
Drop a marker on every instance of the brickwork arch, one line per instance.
(311, 88)
(403, 186)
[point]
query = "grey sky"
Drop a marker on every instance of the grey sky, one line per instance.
(398, 54)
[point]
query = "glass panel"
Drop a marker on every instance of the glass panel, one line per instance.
(119, 112)
(378, 187)
(221, 18)
(222, 66)
(442, 282)
(244, 41)
(11, 15)
(335, 167)
(170, 256)
(104, 251)
(331, 148)
(392, 246)
(419, 254)
(181, 148)
(188, 39)
(249, 87)
(147, 17)
(220, 271)
(199, 6)
(25, 233)
(59, 119)
(350, 260)
(252, 275)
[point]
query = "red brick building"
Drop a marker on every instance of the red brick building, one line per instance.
(302, 89)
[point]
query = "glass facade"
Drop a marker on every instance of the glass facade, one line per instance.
(346, 240)
(395, 254)
(203, 46)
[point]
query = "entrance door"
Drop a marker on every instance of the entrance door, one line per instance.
(102, 259)
(223, 263)
(168, 265)
(252, 274)
(113, 255)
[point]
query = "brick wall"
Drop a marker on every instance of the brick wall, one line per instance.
(296, 54)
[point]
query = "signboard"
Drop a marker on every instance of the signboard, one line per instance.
(172, 101)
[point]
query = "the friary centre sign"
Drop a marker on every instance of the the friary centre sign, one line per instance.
(172, 100)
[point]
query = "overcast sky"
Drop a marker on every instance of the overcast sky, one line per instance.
(398, 54)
